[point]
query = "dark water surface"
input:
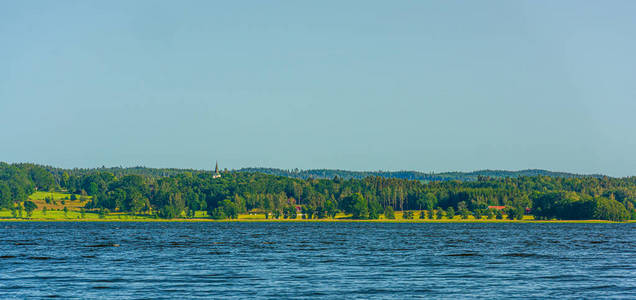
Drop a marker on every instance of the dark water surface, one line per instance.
(316, 260)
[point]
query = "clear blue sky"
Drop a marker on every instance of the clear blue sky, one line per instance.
(361, 85)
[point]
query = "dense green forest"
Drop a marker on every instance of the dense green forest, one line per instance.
(169, 193)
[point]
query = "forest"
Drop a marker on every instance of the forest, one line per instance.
(172, 193)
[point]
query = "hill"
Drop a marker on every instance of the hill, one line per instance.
(324, 173)
(412, 175)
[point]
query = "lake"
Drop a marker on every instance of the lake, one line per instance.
(317, 260)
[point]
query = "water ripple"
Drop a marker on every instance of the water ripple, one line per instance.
(316, 260)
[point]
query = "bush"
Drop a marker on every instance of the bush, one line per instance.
(375, 209)
(286, 212)
(168, 212)
(450, 213)
(218, 214)
(307, 212)
(478, 214)
(29, 207)
(360, 207)
(389, 213)
(374, 212)
(515, 213)
(608, 209)
(440, 213)
(230, 209)
(103, 212)
(289, 212)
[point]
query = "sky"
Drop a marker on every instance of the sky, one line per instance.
(430, 86)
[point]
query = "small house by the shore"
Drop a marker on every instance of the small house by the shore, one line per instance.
(497, 207)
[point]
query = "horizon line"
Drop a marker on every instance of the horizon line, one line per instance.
(322, 169)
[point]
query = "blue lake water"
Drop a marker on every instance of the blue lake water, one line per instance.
(316, 260)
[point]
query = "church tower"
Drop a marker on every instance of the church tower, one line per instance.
(216, 171)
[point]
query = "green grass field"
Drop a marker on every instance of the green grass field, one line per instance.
(55, 195)
(59, 200)
(55, 215)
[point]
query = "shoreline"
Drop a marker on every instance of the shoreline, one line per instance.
(414, 221)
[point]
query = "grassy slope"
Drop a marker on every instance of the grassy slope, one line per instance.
(39, 199)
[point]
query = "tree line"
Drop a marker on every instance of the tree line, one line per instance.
(181, 193)
(410, 175)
